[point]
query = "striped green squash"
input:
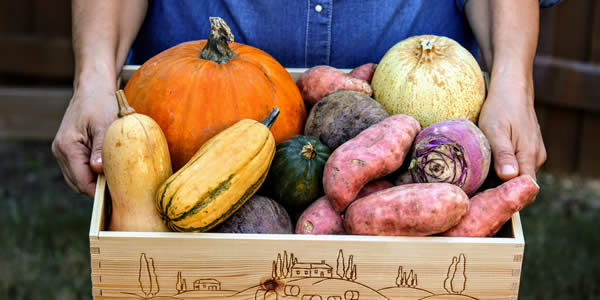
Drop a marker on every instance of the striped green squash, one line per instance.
(223, 174)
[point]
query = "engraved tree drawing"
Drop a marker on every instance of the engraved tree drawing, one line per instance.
(406, 280)
(181, 285)
(282, 266)
(147, 277)
(343, 271)
(450, 274)
(456, 278)
(340, 269)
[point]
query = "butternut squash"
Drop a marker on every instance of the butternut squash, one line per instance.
(219, 178)
(136, 162)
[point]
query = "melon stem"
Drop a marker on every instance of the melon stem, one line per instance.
(428, 49)
(426, 45)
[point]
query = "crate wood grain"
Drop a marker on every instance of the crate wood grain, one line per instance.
(173, 265)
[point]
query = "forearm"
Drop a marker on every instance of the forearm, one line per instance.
(507, 32)
(103, 32)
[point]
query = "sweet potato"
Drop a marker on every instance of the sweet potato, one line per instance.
(491, 208)
(374, 187)
(375, 152)
(258, 215)
(318, 81)
(321, 218)
(364, 72)
(341, 116)
(408, 210)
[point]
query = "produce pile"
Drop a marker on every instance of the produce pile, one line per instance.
(391, 148)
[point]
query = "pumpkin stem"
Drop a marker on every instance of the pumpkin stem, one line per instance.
(271, 118)
(217, 48)
(308, 151)
(124, 108)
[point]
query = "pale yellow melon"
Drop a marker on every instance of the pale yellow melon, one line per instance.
(430, 78)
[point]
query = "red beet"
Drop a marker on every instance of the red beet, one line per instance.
(258, 215)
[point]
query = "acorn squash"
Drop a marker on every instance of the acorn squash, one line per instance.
(296, 176)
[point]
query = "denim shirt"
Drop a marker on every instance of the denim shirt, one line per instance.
(340, 33)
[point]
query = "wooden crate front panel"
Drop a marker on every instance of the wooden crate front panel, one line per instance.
(221, 266)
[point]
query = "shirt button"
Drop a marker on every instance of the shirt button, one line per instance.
(318, 8)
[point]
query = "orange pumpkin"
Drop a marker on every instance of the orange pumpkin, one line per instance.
(196, 89)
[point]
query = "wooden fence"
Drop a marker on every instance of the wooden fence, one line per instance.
(567, 85)
(36, 69)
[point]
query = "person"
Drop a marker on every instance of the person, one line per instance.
(342, 34)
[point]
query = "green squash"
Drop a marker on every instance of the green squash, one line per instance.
(296, 176)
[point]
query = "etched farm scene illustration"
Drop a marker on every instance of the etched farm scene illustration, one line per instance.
(293, 278)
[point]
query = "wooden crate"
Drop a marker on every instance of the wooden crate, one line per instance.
(172, 265)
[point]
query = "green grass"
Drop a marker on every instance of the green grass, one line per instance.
(562, 240)
(43, 228)
(44, 247)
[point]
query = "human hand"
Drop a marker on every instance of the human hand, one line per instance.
(509, 121)
(78, 142)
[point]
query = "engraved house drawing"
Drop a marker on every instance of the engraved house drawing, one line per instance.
(207, 285)
(303, 270)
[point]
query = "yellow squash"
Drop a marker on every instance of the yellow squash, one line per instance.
(221, 176)
(136, 162)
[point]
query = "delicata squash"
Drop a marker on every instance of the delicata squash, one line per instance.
(219, 178)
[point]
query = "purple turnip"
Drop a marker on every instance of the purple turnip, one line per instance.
(453, 151)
